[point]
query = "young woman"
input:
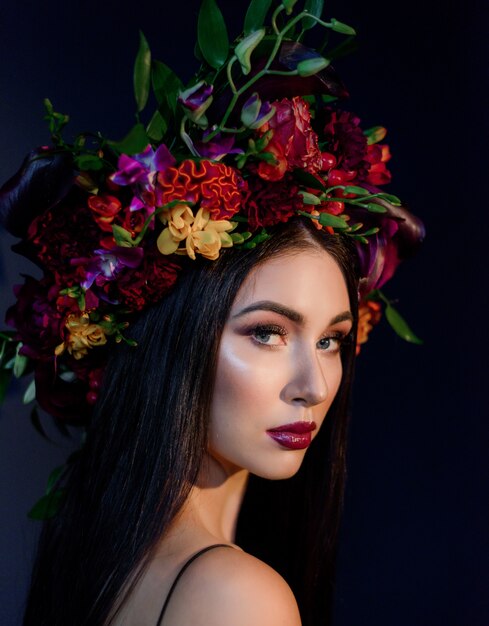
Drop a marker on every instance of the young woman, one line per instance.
(198, 312)
(234, 373)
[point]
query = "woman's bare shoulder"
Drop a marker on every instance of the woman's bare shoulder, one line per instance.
(227, 586)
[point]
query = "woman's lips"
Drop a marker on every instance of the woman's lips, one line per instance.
(296, 436)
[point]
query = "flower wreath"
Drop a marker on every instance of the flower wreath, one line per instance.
(256, 137)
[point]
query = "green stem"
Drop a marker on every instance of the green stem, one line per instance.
(280, 35)
(230, 74)
(276, 13)
(280, 73)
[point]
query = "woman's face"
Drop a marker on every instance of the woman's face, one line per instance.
(279, 364)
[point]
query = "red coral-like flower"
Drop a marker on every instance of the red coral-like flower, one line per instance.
(272, 202)
(215, 187)
(294, 144)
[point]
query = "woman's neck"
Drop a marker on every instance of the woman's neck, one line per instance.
(214, 502)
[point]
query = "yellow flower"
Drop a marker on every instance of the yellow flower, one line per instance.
(179, 219)
(82, 335)
(369, 314)
(207, 237)
(201, 234)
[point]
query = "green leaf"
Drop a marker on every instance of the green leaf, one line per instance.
(54, 477)
(5, 377)
(86, 162)
(309, 67)
(166, 86)
(326, 219)
(373, 207)
(20, 363)
(340, 27)
(309, 198)
(400, 325)
(245, 47)
(289, 6)
(47, 506)
(255, 15)
(371, 231)
(122, 236)
(314, 7)
(392, 199)
(212, 34)
(359, 191)
(308, 180)
(375, 134)
(30, 393)
(157, 127)
(135, 141)
(142, 73)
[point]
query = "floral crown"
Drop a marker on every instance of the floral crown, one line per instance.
(257, 136)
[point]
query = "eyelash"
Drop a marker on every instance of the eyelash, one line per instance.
(273, 329)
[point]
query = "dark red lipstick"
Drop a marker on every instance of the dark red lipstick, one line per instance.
(296, 436)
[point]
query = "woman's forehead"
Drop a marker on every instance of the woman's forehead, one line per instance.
(306, 281)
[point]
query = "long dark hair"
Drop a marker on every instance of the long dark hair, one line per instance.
(145, 446)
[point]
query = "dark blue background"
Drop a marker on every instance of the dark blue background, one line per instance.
(414, 545)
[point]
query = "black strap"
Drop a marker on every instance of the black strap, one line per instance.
(180, 573)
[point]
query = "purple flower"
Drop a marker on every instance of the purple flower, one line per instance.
(196, 96)
(196, 100)
(255, 113)
(108, 263)
(217, 148)
(400, 235)
(140, 168)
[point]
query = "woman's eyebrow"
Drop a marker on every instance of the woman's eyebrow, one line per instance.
(294, 316)
(342, 317)
(269, 305)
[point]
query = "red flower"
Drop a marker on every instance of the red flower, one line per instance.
(149, 282)
(345, 140)
(36, 318)
(104, 209)
(56, 235)
(377, 156)
(213, 186)
(272, 202)
(294, 144)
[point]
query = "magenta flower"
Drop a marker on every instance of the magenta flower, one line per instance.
(196, 100)
(217, 148)
(255, 113)
(108, 263)
(140, 168)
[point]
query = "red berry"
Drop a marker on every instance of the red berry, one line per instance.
(329, 160)
(335, 207)
(350, 174)
(91, 397)
(336, 177)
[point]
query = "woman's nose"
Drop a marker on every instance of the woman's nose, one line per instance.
(307, 384)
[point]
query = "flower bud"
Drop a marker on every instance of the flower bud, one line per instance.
(309, 67)
(245, 47)
(255, 113)
(196, 100)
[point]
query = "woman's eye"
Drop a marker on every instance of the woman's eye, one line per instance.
(268, 335)
(330, 344)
